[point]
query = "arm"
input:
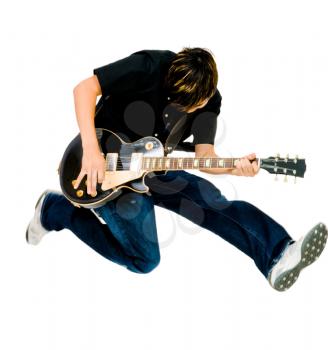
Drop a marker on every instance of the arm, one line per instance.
(85, 96)
(243, 168)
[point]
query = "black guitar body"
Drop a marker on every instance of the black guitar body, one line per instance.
(109, 142)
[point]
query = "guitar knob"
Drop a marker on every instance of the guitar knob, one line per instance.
(149, 146)
(79, 193)
(73, 183)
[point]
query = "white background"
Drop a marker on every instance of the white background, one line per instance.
(205, 294)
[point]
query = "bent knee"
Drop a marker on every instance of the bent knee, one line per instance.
(145, 266)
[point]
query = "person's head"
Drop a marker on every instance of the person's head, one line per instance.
(192, 78)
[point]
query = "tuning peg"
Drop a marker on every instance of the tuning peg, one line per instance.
(287, 156)
(295, 180)
(285, 179)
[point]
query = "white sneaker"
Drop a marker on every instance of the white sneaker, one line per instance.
(35, 231)
(297, 256)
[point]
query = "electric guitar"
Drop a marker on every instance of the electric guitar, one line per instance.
(127, 164)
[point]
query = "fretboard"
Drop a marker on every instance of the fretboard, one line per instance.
(174, 163)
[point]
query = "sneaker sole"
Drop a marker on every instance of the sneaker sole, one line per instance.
(312, 247)
(37, 203)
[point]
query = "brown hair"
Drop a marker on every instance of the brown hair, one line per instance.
(192, 77)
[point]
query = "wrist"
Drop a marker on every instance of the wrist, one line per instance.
(90, 147)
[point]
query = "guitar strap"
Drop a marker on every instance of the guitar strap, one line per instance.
(175, 135)
(172, 140)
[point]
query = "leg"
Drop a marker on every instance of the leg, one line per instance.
(238, 222)
(128, 239)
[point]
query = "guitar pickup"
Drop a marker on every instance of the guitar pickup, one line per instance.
(111, 161)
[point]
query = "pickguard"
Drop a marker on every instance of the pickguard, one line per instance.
(150, 147)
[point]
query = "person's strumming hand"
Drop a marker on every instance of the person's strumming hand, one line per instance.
(93, 165)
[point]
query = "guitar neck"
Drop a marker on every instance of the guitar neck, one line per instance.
(179, 163)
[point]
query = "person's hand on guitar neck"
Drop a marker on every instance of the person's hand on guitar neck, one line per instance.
(245, 166)
(93, 165)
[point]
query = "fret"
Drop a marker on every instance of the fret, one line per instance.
(180, 162)
(147, 163)
(160, 162)
(154, 163)
(167, 163)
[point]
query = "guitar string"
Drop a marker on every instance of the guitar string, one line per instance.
(192, 166)
(187, 159)
(119, 167)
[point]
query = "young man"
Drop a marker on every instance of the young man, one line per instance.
(147, 94)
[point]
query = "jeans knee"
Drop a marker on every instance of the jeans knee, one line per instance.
(216, 200)
(146, 266)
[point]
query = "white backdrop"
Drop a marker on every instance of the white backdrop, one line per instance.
(205, 294)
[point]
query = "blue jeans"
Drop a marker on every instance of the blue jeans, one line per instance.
(129, 237)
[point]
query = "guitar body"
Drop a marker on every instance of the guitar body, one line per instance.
(110, 144)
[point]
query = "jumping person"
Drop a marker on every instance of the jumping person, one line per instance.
(147, 94)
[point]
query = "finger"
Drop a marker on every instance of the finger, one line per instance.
(250, 168)
(239, 167)
(89, 182)
(79, 179)
(255, 167)
(251, 156)
(246, 167)
(100, 176)
(94, 182)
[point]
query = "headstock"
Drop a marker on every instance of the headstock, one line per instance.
(286, 166)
